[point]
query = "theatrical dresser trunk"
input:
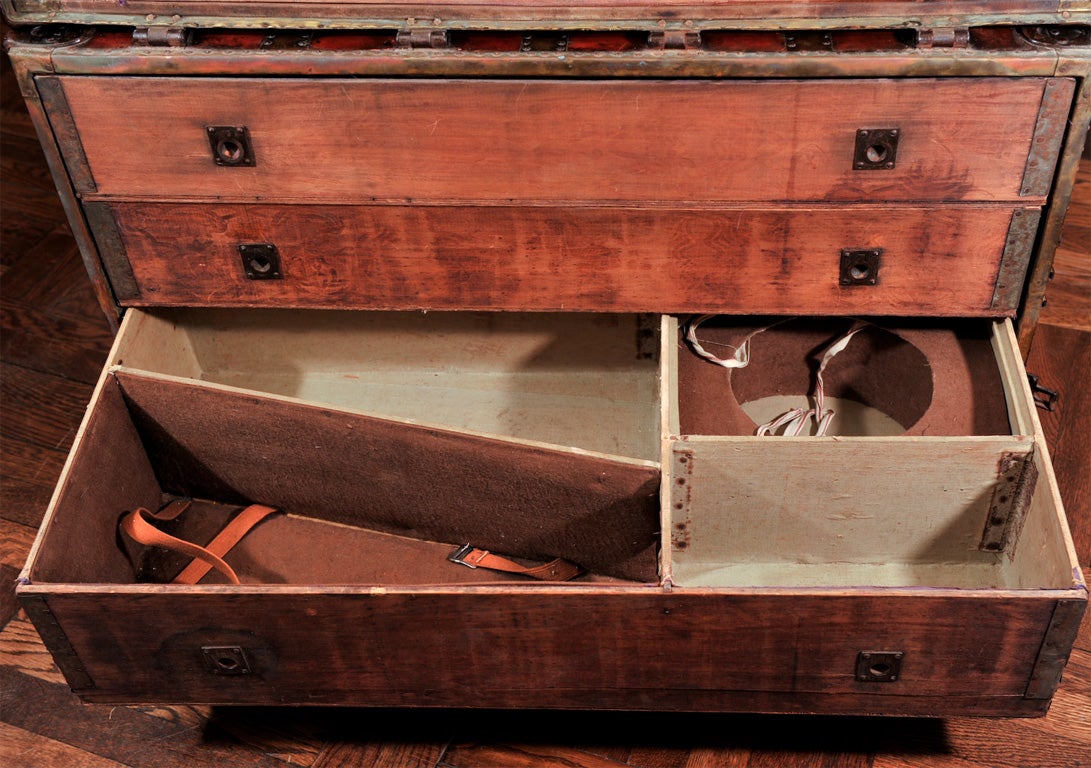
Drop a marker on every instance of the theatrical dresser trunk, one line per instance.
(590, 356)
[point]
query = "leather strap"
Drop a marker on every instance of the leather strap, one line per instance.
(138, 526)
(555, 570)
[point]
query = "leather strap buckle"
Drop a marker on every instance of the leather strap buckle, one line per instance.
(555, 570)
(459, 556)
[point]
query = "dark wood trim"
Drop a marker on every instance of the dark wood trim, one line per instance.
(1018, 251)
(64, 128)
(28, 62)
(1041, 266)
(1063, 628)
(111, 247)
(55, 639)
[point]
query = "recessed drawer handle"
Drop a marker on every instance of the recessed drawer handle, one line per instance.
(860, 266)
(231, 146)
(879, 666)
(876, 149)
(260, 261)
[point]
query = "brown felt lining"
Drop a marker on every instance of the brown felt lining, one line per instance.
(934, 378)
(109, 475)
(317, 552)
(422, 483)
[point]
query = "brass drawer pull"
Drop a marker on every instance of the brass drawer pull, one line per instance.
(231, 146)
(226, 659)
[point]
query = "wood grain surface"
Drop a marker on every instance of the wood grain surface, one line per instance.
(505, 141)
(563, 647)
(936, 260)
(43, 724)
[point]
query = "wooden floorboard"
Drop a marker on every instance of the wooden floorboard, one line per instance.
(53, 340)
(1068, 299)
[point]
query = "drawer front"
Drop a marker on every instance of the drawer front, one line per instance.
(505, 141)
(635, 650)
(932, 260)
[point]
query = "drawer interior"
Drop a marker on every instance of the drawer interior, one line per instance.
(903, 377)
(388, 439)
(585, 381)
(350, 485)
(933, 442)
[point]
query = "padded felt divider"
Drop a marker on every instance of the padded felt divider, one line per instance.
(573, 380)
(515, 498)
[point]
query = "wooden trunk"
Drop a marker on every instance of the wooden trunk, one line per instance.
(424, 283)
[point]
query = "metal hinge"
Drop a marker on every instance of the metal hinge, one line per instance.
(674, 39)
(172, 37)
(423, 38)
(1017, 476)
(284, 41)
(943, 37)
(543, 42)
(808, 40)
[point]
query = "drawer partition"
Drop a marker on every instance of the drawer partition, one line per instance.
(584, 381)
(934, 473)
(392, 434)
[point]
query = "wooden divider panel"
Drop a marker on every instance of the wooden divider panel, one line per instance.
(520, 499)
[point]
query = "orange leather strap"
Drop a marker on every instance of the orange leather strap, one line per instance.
(556, 570)
(138, 526)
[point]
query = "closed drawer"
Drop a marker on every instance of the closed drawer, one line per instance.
(313, 411)
(517, 141)
(932, 260)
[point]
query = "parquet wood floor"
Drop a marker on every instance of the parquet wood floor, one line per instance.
(53, 340)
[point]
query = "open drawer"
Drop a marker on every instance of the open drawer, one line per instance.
(719, 571)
